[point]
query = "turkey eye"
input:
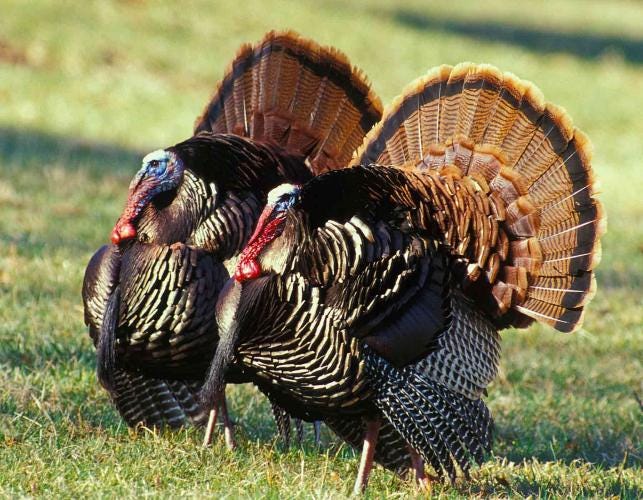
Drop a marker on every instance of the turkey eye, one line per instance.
(154, 163)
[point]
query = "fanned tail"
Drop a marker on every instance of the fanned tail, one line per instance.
(495, 134)
(449, 430)
(156, 403)
(293, 92)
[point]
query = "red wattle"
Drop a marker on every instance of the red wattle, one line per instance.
(122, 232)
(247, 270)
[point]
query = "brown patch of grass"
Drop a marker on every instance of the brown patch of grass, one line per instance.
(10, 54)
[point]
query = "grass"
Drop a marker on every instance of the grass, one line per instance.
(86, 89)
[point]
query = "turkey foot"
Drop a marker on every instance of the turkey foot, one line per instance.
(417, 466)
(220, 405)
(317, 426)
(368, 451)
(209, 429)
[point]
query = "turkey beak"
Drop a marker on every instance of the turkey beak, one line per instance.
(140, 192)
(226, 311)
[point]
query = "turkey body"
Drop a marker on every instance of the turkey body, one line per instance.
(350, 301)
(378, 291)
(308, 344)
(286, 110)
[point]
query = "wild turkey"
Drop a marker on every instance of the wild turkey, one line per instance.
(378, 291)
(286, 109)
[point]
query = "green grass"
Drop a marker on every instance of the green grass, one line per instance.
(86, 88)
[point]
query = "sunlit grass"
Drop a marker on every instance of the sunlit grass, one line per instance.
(85, 89)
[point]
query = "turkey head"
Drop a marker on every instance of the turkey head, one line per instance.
(177, 189)
(262, 246)
(161, 173)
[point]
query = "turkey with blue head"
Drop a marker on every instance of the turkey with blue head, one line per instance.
(286, 110)
(378, 291)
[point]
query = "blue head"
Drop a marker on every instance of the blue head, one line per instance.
(162, 171)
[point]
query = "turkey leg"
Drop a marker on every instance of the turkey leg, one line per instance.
(317, 425)
(221, 406)
(228, 432)
(417, 465)
(368, 452)
(209, 429)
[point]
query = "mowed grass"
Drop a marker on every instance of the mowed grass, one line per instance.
(87, 88)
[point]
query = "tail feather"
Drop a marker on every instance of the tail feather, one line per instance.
(485, 88)
(525, 122)
(446, 428)
(297, 94)
(450, 105)
(537, 234)
(156, 403)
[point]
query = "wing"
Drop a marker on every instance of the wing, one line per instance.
(140, 399)
(101, 278)
(389, 287)
(143, 400)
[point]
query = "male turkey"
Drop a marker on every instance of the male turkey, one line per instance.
(378, 291)
(286, 109)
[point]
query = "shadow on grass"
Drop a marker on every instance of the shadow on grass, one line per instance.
(48, 354)
(599, 447)
(585, 45)
(35, 152)
(23, 147)
(549, 481)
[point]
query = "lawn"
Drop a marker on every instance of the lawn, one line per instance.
(87, 88)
